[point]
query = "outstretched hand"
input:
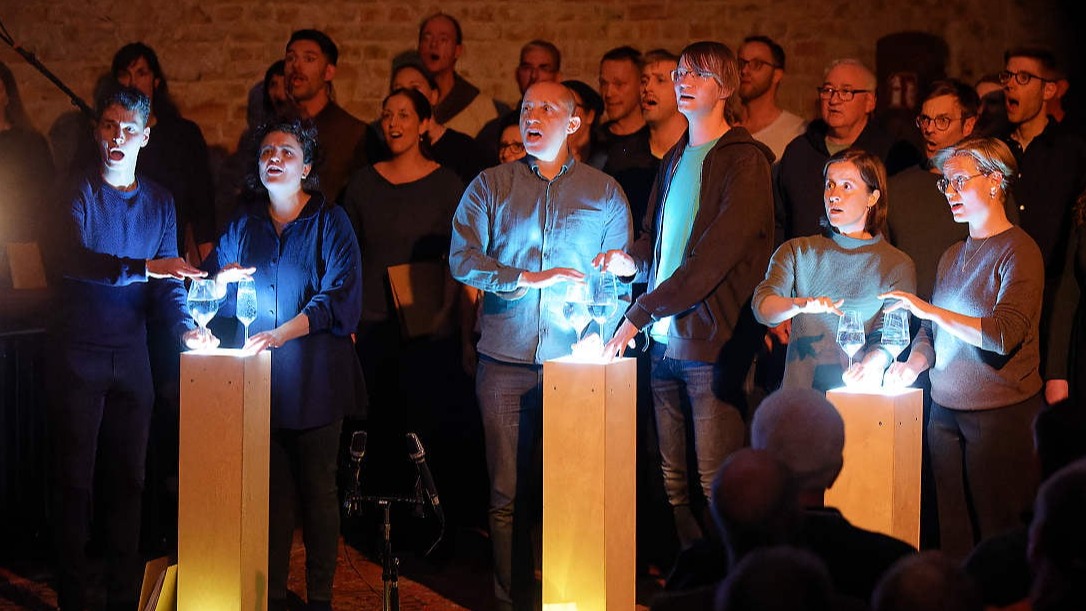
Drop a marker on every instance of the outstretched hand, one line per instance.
(549, 277)
(907, 301)
(616, 262)
(821, 305)
(172, 267)
(623, 339)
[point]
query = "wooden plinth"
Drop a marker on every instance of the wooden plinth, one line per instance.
(222, 545)
(589, 484)
(879, 487)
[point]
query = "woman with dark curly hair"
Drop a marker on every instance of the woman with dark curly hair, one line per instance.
(300, 251)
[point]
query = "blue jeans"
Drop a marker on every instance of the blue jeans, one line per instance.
(682, 389)
(511, 402)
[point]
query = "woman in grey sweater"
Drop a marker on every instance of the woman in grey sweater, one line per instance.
(811, 280)
(985, 383)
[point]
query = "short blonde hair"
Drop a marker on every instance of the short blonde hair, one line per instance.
(991, 154)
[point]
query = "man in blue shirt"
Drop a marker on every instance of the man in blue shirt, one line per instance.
(522, 233)
(708, 235)
(120, 264)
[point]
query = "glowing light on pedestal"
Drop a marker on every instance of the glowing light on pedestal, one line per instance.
(589, 484)
(879, 486)
(222, 545)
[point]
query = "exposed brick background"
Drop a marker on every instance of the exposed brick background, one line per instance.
(214, 50)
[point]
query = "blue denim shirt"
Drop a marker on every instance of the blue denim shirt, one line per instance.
(511, 220)
(314, 267)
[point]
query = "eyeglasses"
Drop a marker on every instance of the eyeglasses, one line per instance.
(845, 95)
(957, 181)
(516, 147)
(1021, 77)
(942, 122)
(756, 64)
(679, 74)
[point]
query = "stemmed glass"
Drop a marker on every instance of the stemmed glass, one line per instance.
(575, 307)
(895, 331)
(203, 301)
(850, 333)
(246, 304)
(602, 297)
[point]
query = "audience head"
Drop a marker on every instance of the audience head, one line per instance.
(620, 82)
(285, 153)
(405, 119)
(11, 104)
(754, 502)
(1057, 541)
(928, 581)
(706, 78)
(855, 192)
(510, 144)
(948, 114)
(589, 110)
(276, 100)
(777, 579)
(658, 102)
(122, 129)
(992, 117)
(547, 120)
(136, 65)
(441, 41)
(415, 76)
(310, 65)
(1029, 81)
(847, 96)
(805, 432)
(761, 67)
(540, 61)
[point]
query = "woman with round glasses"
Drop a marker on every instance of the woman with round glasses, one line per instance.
(985, 383)
(812, 280)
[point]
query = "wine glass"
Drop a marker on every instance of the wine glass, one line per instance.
(895, 331)
(246, 305)
(575, 307)
(602, 297)
(850, 333)
(203, 301)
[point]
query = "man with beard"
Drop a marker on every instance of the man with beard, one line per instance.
(761, 68)
(461, 106)
(311, 58)
(1052, 171)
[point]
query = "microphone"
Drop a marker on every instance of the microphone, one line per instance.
(352, 501)
(418, 455)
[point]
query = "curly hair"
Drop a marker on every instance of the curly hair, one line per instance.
(302, 131)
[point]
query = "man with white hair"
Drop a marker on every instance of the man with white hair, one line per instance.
(847, 99)
(804, 431)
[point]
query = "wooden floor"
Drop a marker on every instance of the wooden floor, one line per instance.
(459, 579)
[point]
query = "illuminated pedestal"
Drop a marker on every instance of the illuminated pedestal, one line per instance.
(222, 521)
(879, 487)
(589, 459)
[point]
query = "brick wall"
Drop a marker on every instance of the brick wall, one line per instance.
(214, 50)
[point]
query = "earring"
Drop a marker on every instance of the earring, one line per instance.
(991, 194)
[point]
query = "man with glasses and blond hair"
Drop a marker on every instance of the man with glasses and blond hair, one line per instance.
(761, 69)
(1052, 170)
(705, 245)
(847, 99)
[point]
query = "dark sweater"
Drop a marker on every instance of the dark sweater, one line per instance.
(342, 140)
(725, 256)
(105, 296)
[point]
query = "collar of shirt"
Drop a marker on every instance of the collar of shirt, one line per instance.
(533, 163)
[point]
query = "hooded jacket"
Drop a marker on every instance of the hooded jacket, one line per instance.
(726, 255)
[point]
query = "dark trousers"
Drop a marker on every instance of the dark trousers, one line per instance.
(100, 419)
(985, 471)
(303, 475)
(511, 402)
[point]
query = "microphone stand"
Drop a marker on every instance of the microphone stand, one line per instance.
(33, 61)
(390, 564)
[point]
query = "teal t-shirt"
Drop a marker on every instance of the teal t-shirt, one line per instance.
(677, 219)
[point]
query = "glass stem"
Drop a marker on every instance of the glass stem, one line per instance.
(246, 334)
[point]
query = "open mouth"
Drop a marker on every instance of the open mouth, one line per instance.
(273, 170)
(116, 154)
(532, 136)
(956, 207)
